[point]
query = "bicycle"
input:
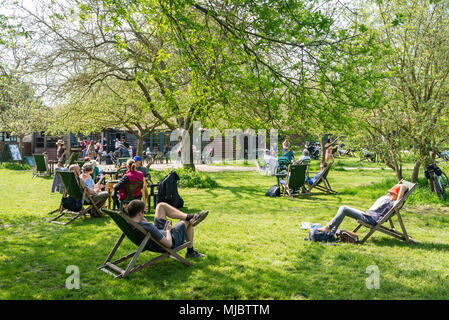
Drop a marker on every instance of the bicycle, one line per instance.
(439, 179)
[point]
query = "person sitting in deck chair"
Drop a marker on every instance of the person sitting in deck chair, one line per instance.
(163, 231)
(98, 196)
(305, 158)
(311, 181)
(374, 214)
(131, 175)
(75, 168)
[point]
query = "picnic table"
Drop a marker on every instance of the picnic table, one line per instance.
(111, 173)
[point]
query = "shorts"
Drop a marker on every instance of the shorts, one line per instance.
(178, 232)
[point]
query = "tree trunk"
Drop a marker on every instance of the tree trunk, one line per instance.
(21, 145)
(416, 171)
(189, 163)
(399, 173)
(323, 150)
(140, 138)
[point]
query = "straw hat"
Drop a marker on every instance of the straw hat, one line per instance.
(60, 141)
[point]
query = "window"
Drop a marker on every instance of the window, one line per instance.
(39, 140)
(5, 137)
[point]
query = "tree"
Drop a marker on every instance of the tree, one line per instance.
(189, 58)
(416, 34)
(109, 104)
(21, 112)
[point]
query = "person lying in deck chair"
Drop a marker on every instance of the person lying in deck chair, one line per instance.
(311, 181)
(163, 232)
(379, 209)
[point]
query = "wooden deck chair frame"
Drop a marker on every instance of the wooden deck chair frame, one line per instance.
(292, 183)
(322, 184)
(39, 163)
(112, 268)
(72, 159)
(395, 211)
(70, 191)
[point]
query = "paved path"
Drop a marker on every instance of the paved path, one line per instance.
(209, 168)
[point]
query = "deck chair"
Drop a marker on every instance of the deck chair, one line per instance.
(283, 164)
(29, 160)
(40, 167)
(75, 190)
(140, 237)
(73, 159)
(321, 183)
(395, 211)
(131, 188)
(122, 160)
(295, 180)
(262, 169)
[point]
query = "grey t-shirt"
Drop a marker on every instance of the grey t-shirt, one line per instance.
(380, 208)
(145, 171)
(156, 234)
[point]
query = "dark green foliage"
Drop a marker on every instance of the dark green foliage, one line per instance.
(188, 178)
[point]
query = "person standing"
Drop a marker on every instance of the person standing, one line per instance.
(61, 151)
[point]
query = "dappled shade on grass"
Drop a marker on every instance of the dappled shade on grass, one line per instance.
(254, 246)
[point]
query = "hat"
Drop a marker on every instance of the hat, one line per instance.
(395, 189)
(60, 141)
(137, 158)
(87, 167)
(93, 162)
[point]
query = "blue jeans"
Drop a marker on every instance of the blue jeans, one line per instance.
(345, 211)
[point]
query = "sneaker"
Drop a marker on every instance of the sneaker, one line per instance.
(194, 254)
(198, 217)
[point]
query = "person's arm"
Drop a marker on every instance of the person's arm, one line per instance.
(121, 183)
(402, 191)
(90, 190)
(167, 239)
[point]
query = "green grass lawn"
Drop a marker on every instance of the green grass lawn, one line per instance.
(254, 246)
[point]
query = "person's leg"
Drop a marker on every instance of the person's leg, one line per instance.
(100, 198)
(115, 199)
(164, 210)
(191, 253)
(189, 234)
(343, 212)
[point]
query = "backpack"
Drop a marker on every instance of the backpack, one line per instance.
(347, 236)
(72, 204)
(274, 191)
(320, 236)
(168, 191)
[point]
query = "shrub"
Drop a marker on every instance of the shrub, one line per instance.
(15, 166)
(188, 178)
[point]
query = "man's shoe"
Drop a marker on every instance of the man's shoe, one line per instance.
(194, 255)
(198, 217)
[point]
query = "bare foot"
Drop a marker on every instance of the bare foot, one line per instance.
(324, 229)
